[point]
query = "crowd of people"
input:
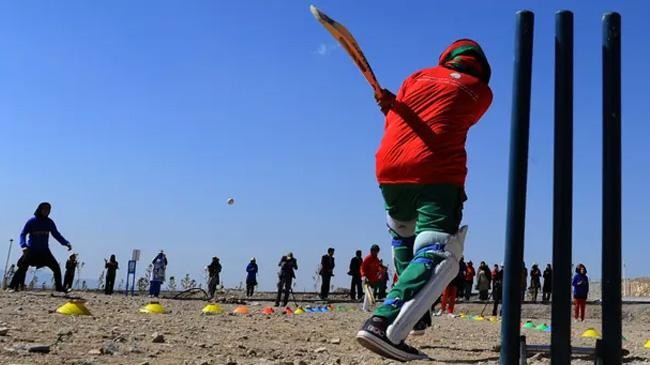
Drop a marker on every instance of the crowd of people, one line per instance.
(369, 271)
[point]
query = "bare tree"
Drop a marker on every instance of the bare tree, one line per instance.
(171, 284)
(100, 281)
(143, 281)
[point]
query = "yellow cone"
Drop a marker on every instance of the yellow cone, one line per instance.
(74, 308)
(479, 318)
(212, 309)
(591, 333)
(153, 307)
(647, 344)
(298, 311)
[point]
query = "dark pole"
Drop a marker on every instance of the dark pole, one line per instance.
(516, 215)
(611, 255)
(562, 190)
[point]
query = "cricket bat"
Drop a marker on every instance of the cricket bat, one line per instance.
(367, 290)
(345, 38)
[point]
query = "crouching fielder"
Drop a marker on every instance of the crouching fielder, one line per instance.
(421, 170)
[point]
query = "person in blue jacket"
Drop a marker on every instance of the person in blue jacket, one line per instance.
(36, 250)
(580, 291)
(251, 277)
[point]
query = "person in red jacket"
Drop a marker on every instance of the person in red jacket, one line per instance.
(371, 272)
(469, 279)
(421, 166)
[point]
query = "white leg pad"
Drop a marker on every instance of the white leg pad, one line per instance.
(403, 229)
(444, 273)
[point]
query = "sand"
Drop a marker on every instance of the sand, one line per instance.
(117, 333)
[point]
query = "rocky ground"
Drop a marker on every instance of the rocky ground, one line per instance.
(31, 332)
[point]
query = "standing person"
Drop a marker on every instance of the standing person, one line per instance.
(288, 264)
(383, 281)
(535, 281)
(214, 269)
(460, 289)
(547, 288)
(524, 281)
(70, 268)
(36, 250)
(469, 279)
(356, 292)
(580, 291)
(251, 277)
(157, 274)
(326, 272)
(421, 168)
(111, 267)
(371, 273)
(497, 289)
(483, 281)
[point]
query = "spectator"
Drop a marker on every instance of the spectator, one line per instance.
(288, 264)
(214, 269)
(580, 292)
(371, 273)
(497, 289)
(356, 292)
(251, 277)
(460, 290)
(483, 281)
(548, 284)
(111, 269)
(535, 283)
(157, 274)
(326, 272)
(70, 268)
(469, 279)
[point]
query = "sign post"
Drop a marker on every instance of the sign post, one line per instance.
(135, 256)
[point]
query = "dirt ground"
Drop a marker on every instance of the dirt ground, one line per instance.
(117, 333)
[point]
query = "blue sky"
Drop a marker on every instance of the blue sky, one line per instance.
(138, 120)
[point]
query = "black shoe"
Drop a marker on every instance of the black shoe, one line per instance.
(373, 337)
(419, 328)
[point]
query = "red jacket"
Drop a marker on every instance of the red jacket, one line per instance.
(469, 273)
(371, 269)
(425, 131)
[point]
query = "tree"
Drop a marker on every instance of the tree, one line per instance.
(171, 284)
(143, 282)
(187, 282)
(100, 281)
(34, 281)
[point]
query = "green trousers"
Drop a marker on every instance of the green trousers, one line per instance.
(434, 208)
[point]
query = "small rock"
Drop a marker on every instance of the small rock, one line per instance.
(251, 352)
(42, 349)
(144, 363)
(4, 331)
(109, 348)
(204, 362)
(299, 362)
(335, 341)
(95, 352)
(134, 350)
(157, 338)
(320, 350)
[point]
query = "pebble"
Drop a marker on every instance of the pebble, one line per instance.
(4, 331)
(94, 352)
(109, 348)
(299, 362)
(320, 350)
(335, 341)
(157, 338)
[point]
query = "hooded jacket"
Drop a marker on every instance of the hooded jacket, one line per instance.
(580, 286)
(39, 228)
(426, 129)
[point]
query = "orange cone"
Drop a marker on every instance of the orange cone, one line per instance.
(268, 310)
(287, 310)
(242, 309)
